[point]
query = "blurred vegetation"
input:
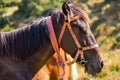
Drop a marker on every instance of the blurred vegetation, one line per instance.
(13, 13)
(105, 24)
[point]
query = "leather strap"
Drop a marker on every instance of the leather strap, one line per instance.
(73, 35)
(62, 32)
(54, 40)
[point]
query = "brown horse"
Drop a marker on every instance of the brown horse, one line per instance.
(50, 70)
(26, 50)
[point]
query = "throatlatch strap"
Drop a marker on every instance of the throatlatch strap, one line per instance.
(54, 40)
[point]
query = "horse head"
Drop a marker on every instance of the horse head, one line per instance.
(76, 37)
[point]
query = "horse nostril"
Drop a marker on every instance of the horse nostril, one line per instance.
(102, 64)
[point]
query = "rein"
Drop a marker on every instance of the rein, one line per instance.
(55, 43)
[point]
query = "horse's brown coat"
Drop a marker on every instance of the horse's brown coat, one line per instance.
(50, 70)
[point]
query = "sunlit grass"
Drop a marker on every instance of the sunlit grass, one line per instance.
(10, 1)
(10, 11)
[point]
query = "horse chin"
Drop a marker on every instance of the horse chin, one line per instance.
(90, 69)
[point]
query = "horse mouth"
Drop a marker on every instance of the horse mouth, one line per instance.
(91, 70)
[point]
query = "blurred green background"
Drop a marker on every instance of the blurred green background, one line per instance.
(105, 24)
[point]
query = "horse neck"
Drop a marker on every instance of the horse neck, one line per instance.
(38, 60)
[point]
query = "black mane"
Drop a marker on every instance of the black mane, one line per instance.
(24, 41)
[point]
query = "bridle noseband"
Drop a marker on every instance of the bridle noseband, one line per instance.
(55, 43)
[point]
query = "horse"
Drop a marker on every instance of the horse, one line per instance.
(25, 50)
(50, 71)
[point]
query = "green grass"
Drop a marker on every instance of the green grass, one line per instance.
(6, 28)
(10, 11)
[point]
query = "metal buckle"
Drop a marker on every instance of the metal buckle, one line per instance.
(82, 62)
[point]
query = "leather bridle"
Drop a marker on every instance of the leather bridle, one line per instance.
(55, 43)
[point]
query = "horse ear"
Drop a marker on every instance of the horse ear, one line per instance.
(66, 9)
